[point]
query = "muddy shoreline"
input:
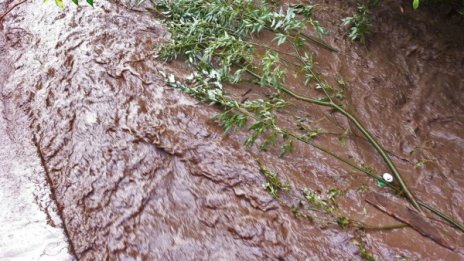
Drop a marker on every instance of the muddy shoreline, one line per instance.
(140, 172)
(31, 226)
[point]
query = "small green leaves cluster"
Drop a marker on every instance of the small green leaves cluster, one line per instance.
(274, 185)
(363, 251)
(359, 24)
(325, 205)
(308, 133)
(206, 86)
(319, 202)
(60, 3)
(343, 221)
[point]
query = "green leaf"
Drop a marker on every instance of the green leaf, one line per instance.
(381, 183)
(281, 38)
(59, 3)
(415, 4)
(90, 2)
(75, 2)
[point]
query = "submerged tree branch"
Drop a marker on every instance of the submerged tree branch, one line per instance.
(223, 60)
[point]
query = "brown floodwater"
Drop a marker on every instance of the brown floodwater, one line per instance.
(139, 171)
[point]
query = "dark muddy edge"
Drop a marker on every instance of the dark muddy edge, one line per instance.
(59, 208)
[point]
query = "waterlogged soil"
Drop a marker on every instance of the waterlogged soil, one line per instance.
(139, 171)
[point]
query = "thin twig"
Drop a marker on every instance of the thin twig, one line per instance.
(440, 214)
(371, 139)
(386, 227)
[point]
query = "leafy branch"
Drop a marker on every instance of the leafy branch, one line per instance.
(216, 38)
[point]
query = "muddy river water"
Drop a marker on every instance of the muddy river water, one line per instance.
(110, 164)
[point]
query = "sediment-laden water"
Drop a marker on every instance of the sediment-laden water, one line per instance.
(138, 171)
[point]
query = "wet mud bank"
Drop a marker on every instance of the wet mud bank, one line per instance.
(140, 172)
(31, 228)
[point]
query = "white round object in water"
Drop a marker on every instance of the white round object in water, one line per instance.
(387, 177)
